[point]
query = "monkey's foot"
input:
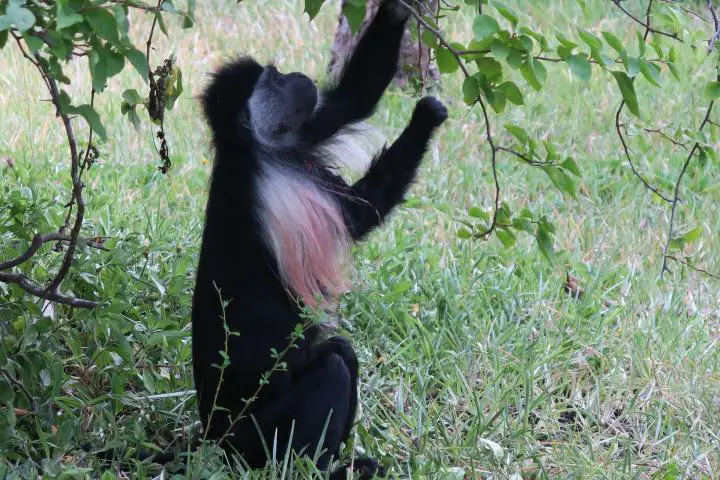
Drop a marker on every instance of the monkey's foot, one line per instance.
(365, 468)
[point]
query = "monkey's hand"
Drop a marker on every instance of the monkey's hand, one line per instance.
(395, 10)
(429, 113)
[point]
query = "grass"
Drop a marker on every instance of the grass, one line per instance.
(475, 362)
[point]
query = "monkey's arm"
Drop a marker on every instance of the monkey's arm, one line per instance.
(364, 79)
(391, 173)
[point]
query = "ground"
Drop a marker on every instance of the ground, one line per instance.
(475, 360)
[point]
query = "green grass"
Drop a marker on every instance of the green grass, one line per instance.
(475, 362)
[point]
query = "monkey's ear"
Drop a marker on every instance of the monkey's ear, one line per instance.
(229, 90)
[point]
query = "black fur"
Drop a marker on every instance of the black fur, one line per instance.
(320, 376)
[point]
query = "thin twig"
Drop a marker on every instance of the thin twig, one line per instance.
(716, 22)
(618, 129)
(523, 157)
(438, 35)
(697, 269)
(37, 242)
(677, 191)
(22, 388)
(493, 153)
(647, 25)
(77, 186)
(39, 291)
(667, 137)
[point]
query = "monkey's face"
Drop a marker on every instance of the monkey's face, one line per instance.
(280, 104)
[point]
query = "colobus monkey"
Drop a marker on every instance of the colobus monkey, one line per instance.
(279, 225)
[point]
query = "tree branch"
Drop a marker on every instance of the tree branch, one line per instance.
(676, 196)
(648, 27)
(618, 129)
(716, 22)
(39, 291)
(37, 242)
(493, 153)
(456, 53)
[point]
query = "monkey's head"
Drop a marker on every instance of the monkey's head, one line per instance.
(280, 104)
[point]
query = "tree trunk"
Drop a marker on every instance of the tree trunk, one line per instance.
(414, 62)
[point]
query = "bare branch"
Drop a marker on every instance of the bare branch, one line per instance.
(37, 242)
(676, 196)
(493, 152)
(438, 35)
(51, 291)
(37, 290)
(716, 22)
(523, 157)
(659, 131)
(646, 24)
(77, 185)
(618, 129)
(688, 264)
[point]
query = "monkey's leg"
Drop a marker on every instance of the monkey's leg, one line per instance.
(333, 384)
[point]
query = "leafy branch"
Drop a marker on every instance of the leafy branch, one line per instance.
(48, 36)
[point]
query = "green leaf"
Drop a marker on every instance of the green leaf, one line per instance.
(91, 116)
(477, 212)
(446, 61)
(17, 15)
(570, 165)
(6, 391)
(114, 62)
(690, 236)
(580, 66)
(312, 7)
(66, 17)
(506, 237)
(712, 90)
(161, 23)
(484, 26)
(138, 60)
(174, 87)
(544, 241)
(628, 92)
(464, 233)
(132, 97)
(534, 73)
(355, 14)
(651, 72)
(552, 153)
(527, 43)
(517, 132)
(471, 90)
(512, 93)
(490, 68)
(3, 38)
(496, 99)
(103, 23)
(641, 43)
(514, 59)
(591, 40)
(506, 12)
(98, 73)
(402, 287)
(614, 42)
(65, 432)
(565, 42)
(121, 19)
(429, 39)
(499, 50)
(561, 180)
(34, 43)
